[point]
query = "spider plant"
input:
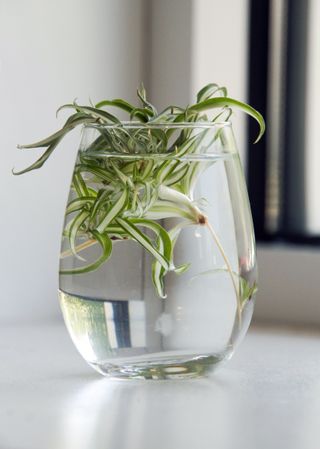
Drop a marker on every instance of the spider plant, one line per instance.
(129, 178)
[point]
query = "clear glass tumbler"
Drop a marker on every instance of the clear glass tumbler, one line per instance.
(158, 266)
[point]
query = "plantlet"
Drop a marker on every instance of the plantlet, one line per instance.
(131, 177)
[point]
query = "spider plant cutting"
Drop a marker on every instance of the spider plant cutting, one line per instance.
(116, 199)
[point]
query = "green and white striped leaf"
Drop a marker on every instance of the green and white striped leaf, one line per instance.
(182, 268)
(79, 203)
(209, 90)
(77, 222)
(114, 211)
(166, 209)
(160, 232)
(100, 173)
(95, 113)
(118, 103)
(177, 175)
(221, 102)
(147, 170)
(79, 184)
(137, 235)
(164, 246)
(106, 246)
(100, 202)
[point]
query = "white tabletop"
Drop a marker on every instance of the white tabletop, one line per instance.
(267, 396)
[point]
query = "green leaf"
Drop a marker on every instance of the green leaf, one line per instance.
(106, 245)
(100, 173)
(137, 235)
(79, 184)
(158, 272)
(55, 137)
(92, 112)
(39, 162)
(209, 90)
(182, 268)
(246, 290)
(160, 232)
(174, 235)
(100, 202)
(79, 203)
(168, 114)
(177, 175)
(117, 231)
(77, 222)
(125, 180)
(141, 92)
(142, 113)
(118, 103)
(73, 120)
(147, 169)
(186, 147)
(114, 211)
(166, 209)
(52, 142)
(221, 102)
(164, 246)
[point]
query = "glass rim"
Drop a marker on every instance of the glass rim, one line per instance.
(159, 125)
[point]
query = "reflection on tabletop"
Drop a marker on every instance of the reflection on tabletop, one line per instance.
(161, 414)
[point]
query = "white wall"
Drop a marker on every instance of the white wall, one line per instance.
(50, 53)
(220, 53)
(169, 57)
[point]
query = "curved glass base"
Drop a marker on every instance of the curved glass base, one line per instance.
(173, 368)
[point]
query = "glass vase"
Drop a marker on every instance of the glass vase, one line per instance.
(158, 266)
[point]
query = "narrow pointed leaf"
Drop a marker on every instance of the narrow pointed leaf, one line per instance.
(79, 203)
(51, 146)
(76, 224)
(220, 102)
(100, 173)
(93, 112)
(177, 175)
(182, 268)
(166, 209)
(39, 162)
(100, 202)
(47, 141)
(137, 235)
(209, 90)
(114, 211)
(160, 232)
(118, 103)
(158, 272)
(73, 120)
(79, 184)
(164, 246)
(106, 246)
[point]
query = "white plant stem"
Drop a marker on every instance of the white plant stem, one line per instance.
(229, 268)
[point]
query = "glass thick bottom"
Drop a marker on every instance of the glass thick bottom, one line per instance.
(117, 340)
(184, 367)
